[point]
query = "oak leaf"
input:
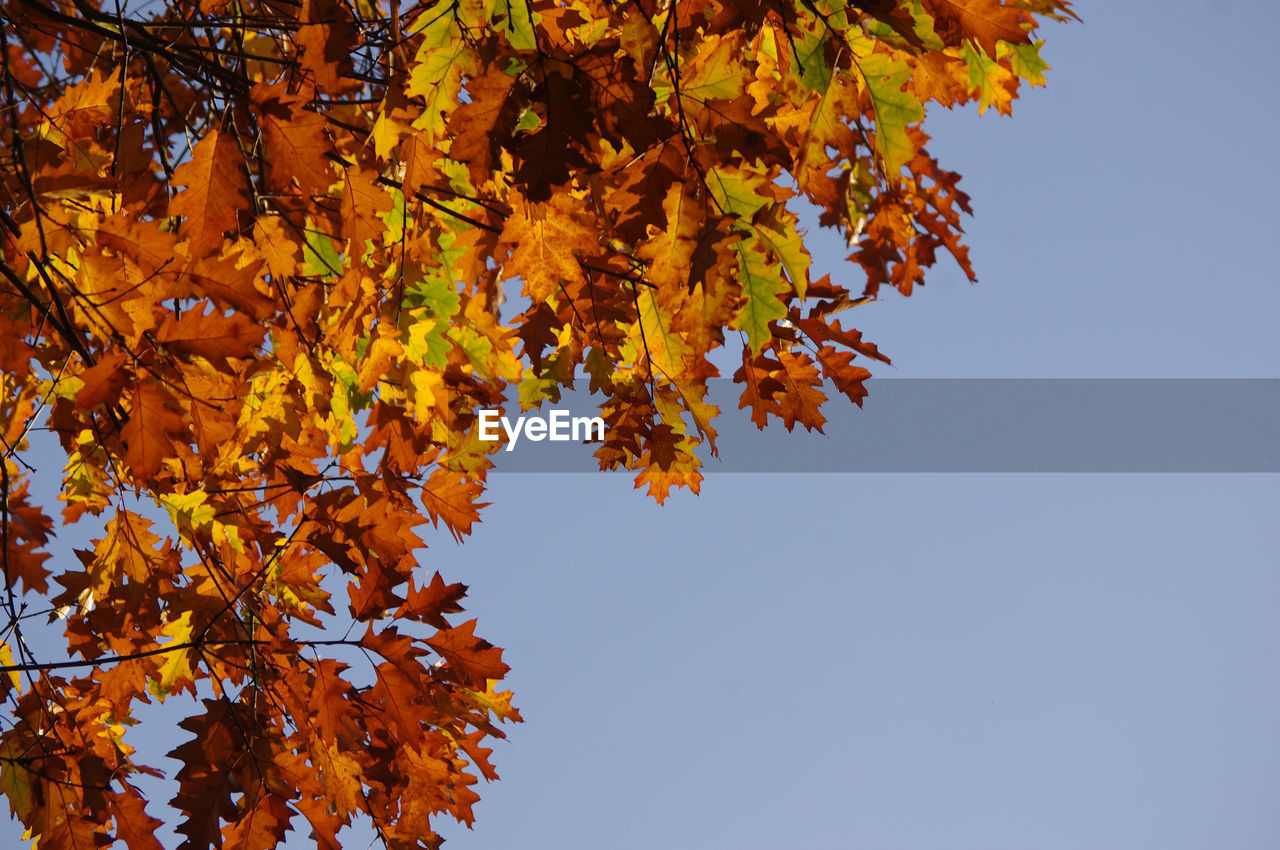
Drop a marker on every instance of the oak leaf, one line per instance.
(216, 191)
(986, 22)
(475, 658)
(155, 418)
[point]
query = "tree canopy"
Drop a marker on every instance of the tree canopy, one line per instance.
(256, 256)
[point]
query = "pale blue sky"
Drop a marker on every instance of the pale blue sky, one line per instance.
(913, 662)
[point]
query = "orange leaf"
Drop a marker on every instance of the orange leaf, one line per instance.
(154, 419)
(363, 201)
(984, 21)
(450, 497)
(477, 659)
(216, 190)
(212, 336)
(296, 144)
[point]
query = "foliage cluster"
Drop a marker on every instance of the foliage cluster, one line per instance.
(254, 255)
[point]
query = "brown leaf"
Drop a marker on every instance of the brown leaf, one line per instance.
(155, 418)
(429, 604)
(216, 192)
(476, 659)
(103, 381)
(211, 336)
(363, 202)
(984, 21)
(450, 497)
(295, 139)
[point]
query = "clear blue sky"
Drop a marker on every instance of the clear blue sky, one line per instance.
(912, 662)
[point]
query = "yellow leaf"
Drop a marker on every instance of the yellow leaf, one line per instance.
(6, 659)
(176, 667)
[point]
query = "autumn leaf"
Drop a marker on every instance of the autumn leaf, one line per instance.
(363, 203)
(16, 779)
(429, 604)
(477, 659)
(211, 336)
(155, 418)
(986, 22)
(103, 381)
(762, 284)
(175, 669)
(451, 498)
(894, 108)
(216, 190)
(295, 139)
(546, 242)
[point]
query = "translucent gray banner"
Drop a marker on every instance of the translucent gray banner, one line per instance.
(1000, 425)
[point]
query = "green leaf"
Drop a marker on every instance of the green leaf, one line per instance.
(986, 76)
(516, 19)
(428, 343)
(395, 218)
(1025, 61)
(734, 190)
(535, 390)
(923, 25)
(788, 246)
(895, 109)
(320, 257)
(762, 283)
(438, 295)
(15, 780)
(436, 73)
(438, 26)
(474, 345)
(811, 52)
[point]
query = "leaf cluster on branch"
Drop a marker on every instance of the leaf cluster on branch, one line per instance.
(254, 259)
